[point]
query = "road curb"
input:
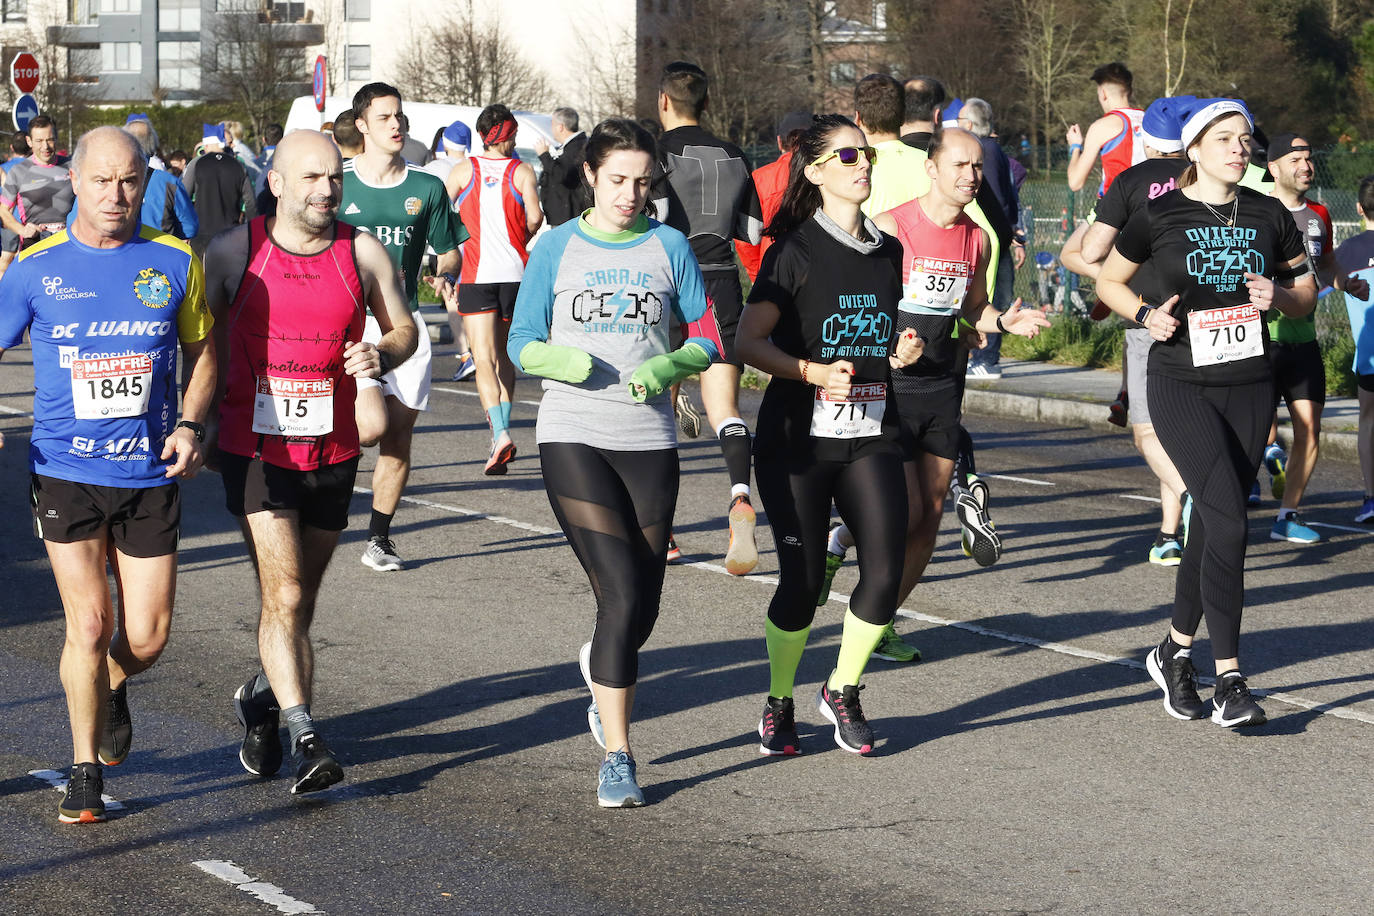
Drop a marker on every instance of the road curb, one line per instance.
(1093, 414)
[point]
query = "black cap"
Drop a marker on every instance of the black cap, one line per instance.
(794, 120)
(1281, 145)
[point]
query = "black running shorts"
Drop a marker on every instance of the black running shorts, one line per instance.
(930, 423)
(1365, 382)
(480, 298)
(321, 496)
(727, 300)
(141, 521)
(1299, 373)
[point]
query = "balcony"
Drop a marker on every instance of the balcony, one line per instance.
(297, 34)
(74, 36)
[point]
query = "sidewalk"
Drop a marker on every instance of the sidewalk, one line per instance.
(1047, 393)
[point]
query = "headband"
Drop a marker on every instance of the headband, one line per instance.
(500, 133)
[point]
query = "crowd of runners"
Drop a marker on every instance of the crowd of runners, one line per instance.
(879, 249)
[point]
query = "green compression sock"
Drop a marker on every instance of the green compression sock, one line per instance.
(784, 654)
(856, 645)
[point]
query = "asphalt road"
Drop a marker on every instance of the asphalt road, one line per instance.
(1024, 766)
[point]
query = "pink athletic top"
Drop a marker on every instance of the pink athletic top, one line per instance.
(288, 399)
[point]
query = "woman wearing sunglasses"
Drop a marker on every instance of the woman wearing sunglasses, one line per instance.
(1222, 255)
(821, 320)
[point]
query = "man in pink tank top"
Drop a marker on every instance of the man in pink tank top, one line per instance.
(499, 204)
(289, 294)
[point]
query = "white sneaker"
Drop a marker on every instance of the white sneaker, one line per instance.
(380, 554)
(986, 373)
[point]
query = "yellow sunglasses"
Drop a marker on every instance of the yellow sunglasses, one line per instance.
(849, 155)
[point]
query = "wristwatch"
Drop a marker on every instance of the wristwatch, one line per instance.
(197, 429)
(452, 280)
(1143, 313)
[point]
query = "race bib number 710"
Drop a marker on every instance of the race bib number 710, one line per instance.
(1224, 335)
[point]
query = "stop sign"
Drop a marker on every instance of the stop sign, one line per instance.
(24, 71)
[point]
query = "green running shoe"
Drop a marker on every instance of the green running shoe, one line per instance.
(833, 562)
(1276, 462)
(892, 648)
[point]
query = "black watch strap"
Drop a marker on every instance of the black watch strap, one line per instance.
(198, 429)
(1143, 313)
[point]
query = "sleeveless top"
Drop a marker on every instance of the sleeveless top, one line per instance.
(939, 266)
(1125, 149)
(288, 399)
(494, 212)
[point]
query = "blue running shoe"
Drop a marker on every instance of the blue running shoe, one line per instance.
(616, 786)
(1254, 498)
(1166, 553)
(584, 661)
(1275, 460)
(1366, 515)
(1290, 528)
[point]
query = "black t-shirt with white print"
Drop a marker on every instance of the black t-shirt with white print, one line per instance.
(1131, 190)
(1204, 261)
(836, 300)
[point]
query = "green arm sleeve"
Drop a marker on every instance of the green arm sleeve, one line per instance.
(659, 373)
(562, 364)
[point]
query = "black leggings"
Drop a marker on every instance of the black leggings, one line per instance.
(616, 509)
(1215, 436)
(870, 493)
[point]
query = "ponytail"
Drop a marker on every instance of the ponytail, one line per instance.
(802, 199)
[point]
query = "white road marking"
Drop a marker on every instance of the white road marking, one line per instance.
(59, 782)
(269, 894)
(1339, 527)
(15, 412)
(1037, 483)
(1339, 712)
(473, 394)
(1144, 499)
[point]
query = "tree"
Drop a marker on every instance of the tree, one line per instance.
(468, 62)
(246, 64)
(1050, 42)
(1172, 78)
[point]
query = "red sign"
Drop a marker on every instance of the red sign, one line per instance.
(24, 71)
(319, 82)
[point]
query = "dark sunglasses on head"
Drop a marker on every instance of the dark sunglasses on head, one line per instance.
(849, 155)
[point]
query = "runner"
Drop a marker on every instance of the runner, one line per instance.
(897, 175)
(166, 205)
(820, 320)
(1211, 388)
(1356, 256)
(711, 199)
(1299, 373)
(1134, 188)
(406, 208)
(500, 201)
(289, 293)
(220, 187)
(1115, 136)
(770, 181)
(105, 303)
(607, 448)
(37, 190)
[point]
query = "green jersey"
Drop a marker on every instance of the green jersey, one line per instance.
(405, 217)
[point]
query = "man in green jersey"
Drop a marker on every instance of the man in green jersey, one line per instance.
(406, 208)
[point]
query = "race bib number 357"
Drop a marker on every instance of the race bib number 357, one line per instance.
(117, 386)
(1224, 335)
(858, 417)
(294, 406)
(935, 286)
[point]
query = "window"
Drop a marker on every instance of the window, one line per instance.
(83, 65)
(843, 73)
(357, 10)
(358, 62)
(121, 6)
(288, 12)
(232, 56)
(121, 56)
(14, 11)
(238, 6)
(178, 16)
(178, 64)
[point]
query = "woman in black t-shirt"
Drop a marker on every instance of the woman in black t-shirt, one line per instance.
(821, 319)
(1222, 255)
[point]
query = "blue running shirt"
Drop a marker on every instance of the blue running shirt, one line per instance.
(104, 325)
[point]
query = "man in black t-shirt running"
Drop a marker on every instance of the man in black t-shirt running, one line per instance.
(708, 196)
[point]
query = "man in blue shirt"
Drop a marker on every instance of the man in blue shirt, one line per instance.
(105, 303)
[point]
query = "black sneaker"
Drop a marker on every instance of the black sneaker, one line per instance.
(119, 731)
(852, 731)
(82, 804)
(1233, 706)
(979, 534)
(1178, 680)
(778, 729)
(316, 767)
(260, 752)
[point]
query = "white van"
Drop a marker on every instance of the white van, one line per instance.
(426, 118)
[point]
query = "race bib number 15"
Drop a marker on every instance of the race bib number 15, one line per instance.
(294, 406)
